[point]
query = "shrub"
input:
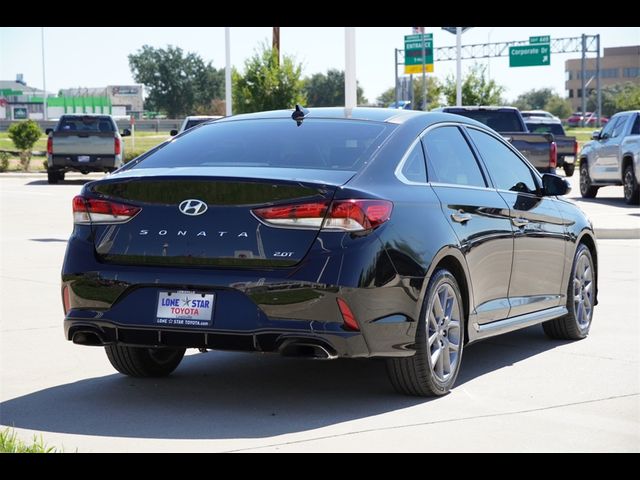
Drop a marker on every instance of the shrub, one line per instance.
(4, 161)
(24, 135)
(130, 155)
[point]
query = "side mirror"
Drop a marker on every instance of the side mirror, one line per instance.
(48, 131)
(126, 132)
(173, 132)
(555, 185)
(596, 135)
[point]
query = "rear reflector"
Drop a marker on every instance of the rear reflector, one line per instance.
(91, 210)
(341, 215)
(65, 299)
(348, 317)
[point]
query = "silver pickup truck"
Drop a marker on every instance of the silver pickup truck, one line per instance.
(84, 143)
(613, 157)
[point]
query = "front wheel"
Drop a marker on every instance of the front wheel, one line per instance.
(631, 189)
(433, 369)
(569, 168)
(586, 189)
(143, 361)
(580, 300)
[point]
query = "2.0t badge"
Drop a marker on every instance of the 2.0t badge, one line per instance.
(192, 207)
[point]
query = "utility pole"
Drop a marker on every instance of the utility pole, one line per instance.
(275, 43)
(44, 81)
(395, 74)
(583, 80)
(459, 66)
(350, 85)
(598, 92)
(227, 71)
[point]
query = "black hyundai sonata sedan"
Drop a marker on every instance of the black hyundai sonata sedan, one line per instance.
(327, 233)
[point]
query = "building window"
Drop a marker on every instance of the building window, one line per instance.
(609, 73)
(568, 74)
(579, 94)
(632, 72)
(571, 93)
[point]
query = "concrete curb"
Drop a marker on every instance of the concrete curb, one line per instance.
(617, 233)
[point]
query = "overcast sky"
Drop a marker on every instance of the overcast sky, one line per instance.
(97, 56)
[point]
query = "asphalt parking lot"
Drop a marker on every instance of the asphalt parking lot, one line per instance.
(518, 392)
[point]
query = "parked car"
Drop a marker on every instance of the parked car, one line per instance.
(84, 143)
(613, 157)
(192, 121)
(539, 148)
(402, 104)
(567, 147)
(537, 113)
(590, 119)
(372, 233)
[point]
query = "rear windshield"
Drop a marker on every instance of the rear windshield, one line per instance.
(86, 124)
(316, 144)
(554, 128)
(193, 123)
(499, 120)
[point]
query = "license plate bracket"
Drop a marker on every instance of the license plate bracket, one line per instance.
(185, 308)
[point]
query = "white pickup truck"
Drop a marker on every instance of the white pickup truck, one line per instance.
(613, 157)
(84, 143)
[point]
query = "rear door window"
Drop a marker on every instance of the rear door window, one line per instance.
(86, 124)
(450, 159)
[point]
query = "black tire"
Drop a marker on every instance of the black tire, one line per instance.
(415, 375)
(631, 189)
(52, 176)
(575, 325)
(569, 168)
(586, 189)
(144, 362)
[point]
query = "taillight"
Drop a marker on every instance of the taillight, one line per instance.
(340, 215)
(116, 146)
(50, 146)
(575, 148)
(553, 155)
(91, 210)
(348, 318)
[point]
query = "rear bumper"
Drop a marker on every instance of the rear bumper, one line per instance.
(96, 163)
(255, 309)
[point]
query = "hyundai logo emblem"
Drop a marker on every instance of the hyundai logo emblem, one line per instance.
(192, 207)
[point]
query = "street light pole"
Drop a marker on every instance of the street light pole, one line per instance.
(350, 85)
(458, 66)
(44, 81)
(227, 71)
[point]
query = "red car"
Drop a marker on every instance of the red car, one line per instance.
(576, 118)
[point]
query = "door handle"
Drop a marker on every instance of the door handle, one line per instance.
(460, 217)
(519, 221)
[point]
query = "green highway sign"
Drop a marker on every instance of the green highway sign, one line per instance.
(540, 39)
(529, 55)
(413, 53)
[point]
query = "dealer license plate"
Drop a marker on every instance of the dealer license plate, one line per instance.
(182, 308)
(84, 158)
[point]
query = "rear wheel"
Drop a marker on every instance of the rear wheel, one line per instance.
(586, 189)
(580, 300)
(53, 176)
(439, 342)
(569, 168)
(143, 361)
(631, 189)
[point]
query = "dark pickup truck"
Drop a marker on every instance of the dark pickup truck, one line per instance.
(567, 146)
(538, 148)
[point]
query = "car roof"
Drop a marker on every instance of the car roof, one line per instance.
(474, 107)
(202, 117)
(391, 115)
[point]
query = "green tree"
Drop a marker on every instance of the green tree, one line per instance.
(328, 90)
(24, 135)
(476, 89)
(616, 98)
(535, 99)
(267, 85)
(177, 82)
(558, 106)
(434, 94)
